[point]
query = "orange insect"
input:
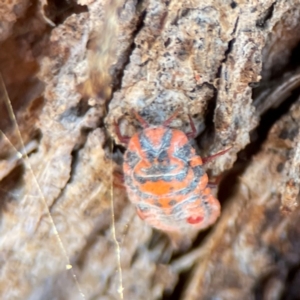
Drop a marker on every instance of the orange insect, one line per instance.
(165, 179)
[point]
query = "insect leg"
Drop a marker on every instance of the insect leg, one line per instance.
(168, 121)
(192, 134)
(215, 183)
(123, 139)
(140, 119)
(212, 157)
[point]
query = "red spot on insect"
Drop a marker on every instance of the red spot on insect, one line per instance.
(194, 219)
(165, 179)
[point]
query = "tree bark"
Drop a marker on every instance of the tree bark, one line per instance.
(71, 70)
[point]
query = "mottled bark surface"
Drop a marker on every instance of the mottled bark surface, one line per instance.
(71, 70)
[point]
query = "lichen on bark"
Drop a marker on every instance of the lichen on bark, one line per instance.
(73, 69)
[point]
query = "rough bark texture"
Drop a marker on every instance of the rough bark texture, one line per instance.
(71, 70)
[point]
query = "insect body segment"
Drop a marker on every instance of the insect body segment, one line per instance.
(166, 181)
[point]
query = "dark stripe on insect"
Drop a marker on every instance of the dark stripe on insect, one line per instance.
(157, 203)
(152, 151)
(165, 177)
(131, 158)
(198, 173)
(135, 189)
(178, 209)
(172, 202)
(184, 152)
(156, 169)
(206, 205)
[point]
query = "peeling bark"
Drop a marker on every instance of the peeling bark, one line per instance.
(73, 69)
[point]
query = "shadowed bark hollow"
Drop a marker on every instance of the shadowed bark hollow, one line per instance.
(71, 69)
